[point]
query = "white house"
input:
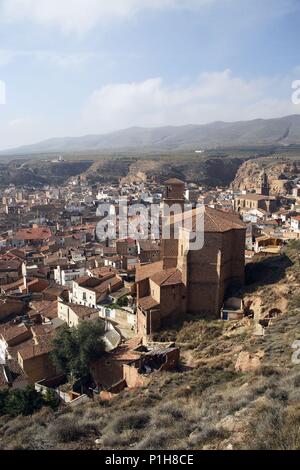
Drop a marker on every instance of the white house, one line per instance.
(66, 276)
(74, 314)
(91, 291)
(295, 224)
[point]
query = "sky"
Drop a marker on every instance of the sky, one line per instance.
(77, 67)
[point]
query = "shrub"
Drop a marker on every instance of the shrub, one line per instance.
(21, 402)
(272, 429)
(112, 440)
(239, 404)
(173, 409)
(130, 421)
(161, 421)
(154, 441)
(51, 399)
(205, 434)
(297, 381)
(66, 430)
(281, 395)
(268, 371)
(123, 302)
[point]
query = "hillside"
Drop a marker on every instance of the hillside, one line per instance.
(284, 131)
(233, 390)
(39, 173)
(281, 173)
(210, 168)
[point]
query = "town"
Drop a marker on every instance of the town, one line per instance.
(149, 231)
(56, 273)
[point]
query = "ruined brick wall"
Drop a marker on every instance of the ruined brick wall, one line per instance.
(107, 371)
(149, 322)
(132, 377)
(172, 360)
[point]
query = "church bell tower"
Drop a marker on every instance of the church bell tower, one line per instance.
(174, 196)
(264, 189)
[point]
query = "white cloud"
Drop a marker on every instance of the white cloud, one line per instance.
(20, 121)
(59, 59)
(214, 96)
(82, 15)
(2, 92)
(6, 57)
(63, 60)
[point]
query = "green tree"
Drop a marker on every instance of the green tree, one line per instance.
(51, 399)
(123, 302)
(21, 402)
(75, 348)
(3, 399)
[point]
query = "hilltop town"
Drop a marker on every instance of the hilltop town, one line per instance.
(166, 310)
(149, 231)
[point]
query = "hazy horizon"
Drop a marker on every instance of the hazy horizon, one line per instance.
(88, 67)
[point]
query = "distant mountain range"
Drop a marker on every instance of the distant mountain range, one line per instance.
(281, 131)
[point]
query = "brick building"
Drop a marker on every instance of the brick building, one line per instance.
(246, 202)
(191, 281)
(259, 200)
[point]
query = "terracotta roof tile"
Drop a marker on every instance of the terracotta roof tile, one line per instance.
(146, 303)
(34, 350)
(175, 181)
(46, 308)
(214, 220)
(167, 277)
(10, 265)
(147, 270)
(11, 332)
(125, 352)
(148, 245)
(80, 310)
(38, 233)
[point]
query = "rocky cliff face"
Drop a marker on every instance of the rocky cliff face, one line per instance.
(209, 171)
(39, 173)
(280, 173)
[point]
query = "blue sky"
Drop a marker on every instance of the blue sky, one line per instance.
(74, 67)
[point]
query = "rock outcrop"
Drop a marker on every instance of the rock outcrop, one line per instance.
(280, 173)
(247, 361)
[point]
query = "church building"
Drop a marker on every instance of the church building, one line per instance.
(186, 280)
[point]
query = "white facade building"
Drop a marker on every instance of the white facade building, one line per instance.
(65, 277)
(295, 224)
